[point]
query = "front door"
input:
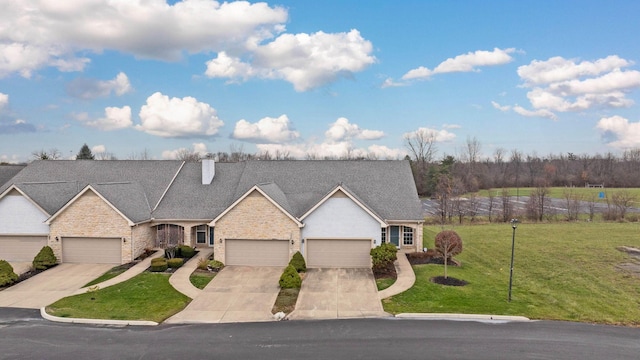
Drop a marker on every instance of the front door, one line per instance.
(394, 235)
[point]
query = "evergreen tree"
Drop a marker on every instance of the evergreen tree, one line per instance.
(85, 153)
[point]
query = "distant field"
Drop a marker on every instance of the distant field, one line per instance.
(563, 271)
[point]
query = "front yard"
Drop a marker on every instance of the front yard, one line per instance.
(148, 296)
(561, 272)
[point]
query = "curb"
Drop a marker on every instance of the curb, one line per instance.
(46, 316)
(462, 317)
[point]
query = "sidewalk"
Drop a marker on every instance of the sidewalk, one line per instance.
(131, 272)
(180, 279)
(406, 278)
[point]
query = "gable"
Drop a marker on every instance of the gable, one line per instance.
(90, 202)
(261, 206)
(20, 215)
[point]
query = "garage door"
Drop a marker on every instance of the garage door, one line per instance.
(21, 248)
(91, 250)
(257, 252)
(335, 253)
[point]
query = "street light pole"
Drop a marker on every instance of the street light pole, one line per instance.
(514, 225)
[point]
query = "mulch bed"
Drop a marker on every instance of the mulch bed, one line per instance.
(449, 281)
(429, 257)
(385, 273)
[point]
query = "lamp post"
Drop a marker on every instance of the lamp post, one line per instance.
(514, 225)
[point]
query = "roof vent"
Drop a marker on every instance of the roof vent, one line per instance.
(208, 171)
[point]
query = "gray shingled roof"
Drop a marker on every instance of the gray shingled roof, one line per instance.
(386, 188)
(52, 184)
(9, 171)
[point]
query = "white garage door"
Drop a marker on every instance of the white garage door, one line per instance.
(21, 247)
(91, 250)
(337, 253)
(257, 252)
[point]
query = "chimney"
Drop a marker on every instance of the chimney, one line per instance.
(208, 171)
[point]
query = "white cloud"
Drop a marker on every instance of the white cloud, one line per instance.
(384, 152)
(342, 130)
(98, 149)
(440, 135)
(186, 117)
(618, 132)
(561, 85)
(305, 60)
(503, 108)
(451, 126)
(268, 129)
(4, 100)
(54, 33)
(115, 119)
(557, 69)
(338, 143)
(463, 63)
(91, 88)
(535, 113)
(198, 148)
(389, 82)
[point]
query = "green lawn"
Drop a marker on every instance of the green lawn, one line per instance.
(201, 279)
(113, 272)
(384, 283)
(562, 271)
(148, 296)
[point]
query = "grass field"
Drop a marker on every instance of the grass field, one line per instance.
(562, 271)
(148, 296)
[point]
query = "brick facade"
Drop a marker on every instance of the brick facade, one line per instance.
(90, 216)
(255, 218)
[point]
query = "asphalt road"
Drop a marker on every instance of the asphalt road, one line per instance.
(23, 335)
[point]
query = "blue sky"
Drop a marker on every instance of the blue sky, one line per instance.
(322, 78)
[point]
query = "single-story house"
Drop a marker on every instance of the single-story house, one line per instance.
(250, 213)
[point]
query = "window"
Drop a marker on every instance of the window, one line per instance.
(201, 234)
(168, 235)
(383, 236)
(407, 235)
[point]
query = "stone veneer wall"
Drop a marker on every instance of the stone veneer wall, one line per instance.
(90, 216)
(255, 218)
(143, 238)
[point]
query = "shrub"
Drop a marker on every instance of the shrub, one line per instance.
(45, 259)
(186, 251)
(171, 252)
(215, 265)
(159, 265)
(290, 279)
(175, 263)
(383, 256)
(202, 264)
(7, 276)
(297, 261)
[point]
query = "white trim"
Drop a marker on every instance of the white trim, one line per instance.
(168, 187)
(256, 188)
(13, 187)
(361, 205)
(87, 188)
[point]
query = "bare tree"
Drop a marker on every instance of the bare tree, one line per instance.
(507, 207)
(105, 156)
(51, 154)
(187, 155)
(422, 148)
(492, 200)
(623, 200)
(449, 244)
(142, 155)
(572, 202)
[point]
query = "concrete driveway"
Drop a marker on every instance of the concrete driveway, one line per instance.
(236, 294)
(338, 293)
(51, 285)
